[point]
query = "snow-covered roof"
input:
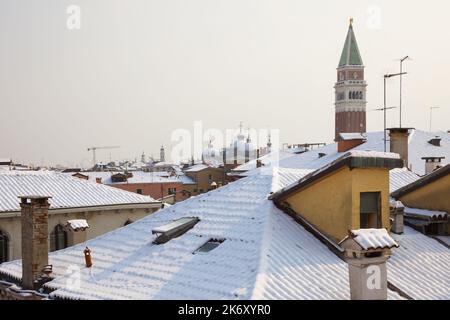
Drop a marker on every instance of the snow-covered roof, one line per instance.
(400, 177)
(270, 159)
(420, 266)
(163, 164)
(197, 167)
(137, 177)
(66, 191)
(370, 239)
(78, 224)
(428, 214)
(185, 179)
(285, 177)
(352, 136)
(265, 255)
(418, 147)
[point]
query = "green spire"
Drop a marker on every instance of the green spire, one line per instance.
(350, 54)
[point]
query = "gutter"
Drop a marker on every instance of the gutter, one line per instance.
(153, 204)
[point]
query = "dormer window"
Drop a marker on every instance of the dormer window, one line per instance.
(370, 213)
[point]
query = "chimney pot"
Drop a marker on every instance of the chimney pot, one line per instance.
(258, 163)
(397, 216)
(399, 142)
(432, 163)
(88, 257)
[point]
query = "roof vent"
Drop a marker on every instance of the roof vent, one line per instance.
(174, 229)
(209, 246)
(435, 141)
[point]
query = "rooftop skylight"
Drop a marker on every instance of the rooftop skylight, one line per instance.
(209, 246)
(174, 229)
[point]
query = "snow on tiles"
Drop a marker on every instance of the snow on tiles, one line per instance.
(264, 255)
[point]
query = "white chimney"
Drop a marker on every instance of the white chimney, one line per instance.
(397, 211)
(399, 143)
(432, 163)
(366, 252)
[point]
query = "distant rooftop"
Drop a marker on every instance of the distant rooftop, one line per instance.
(65, 191)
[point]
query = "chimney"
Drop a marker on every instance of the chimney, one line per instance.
(432, 163)
(366, 252)
(397, 217)
(98, 180)
(349, 141)
(399, 143)
(34, 216)
(258, 163)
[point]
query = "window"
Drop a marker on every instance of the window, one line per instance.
(370, 213)
(209, 246)
(201, 190)
(172, 191)
(350, 95)
(210, 178)
(58, 238)
(174, 229)
(139, 191)
(4, 247)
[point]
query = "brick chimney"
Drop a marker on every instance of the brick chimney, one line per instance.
(399, 143)
(349, 141)
(432, 163)
(34, 216)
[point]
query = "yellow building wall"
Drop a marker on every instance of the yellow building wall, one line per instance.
(371, 180)
(433, 196)
(331, 204)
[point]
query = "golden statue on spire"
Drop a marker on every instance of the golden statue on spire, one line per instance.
(351, 21)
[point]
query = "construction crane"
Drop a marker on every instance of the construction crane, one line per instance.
(93, 149)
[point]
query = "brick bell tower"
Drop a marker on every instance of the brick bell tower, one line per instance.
(350, 89)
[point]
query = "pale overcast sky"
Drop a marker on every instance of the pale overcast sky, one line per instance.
(137, 70)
